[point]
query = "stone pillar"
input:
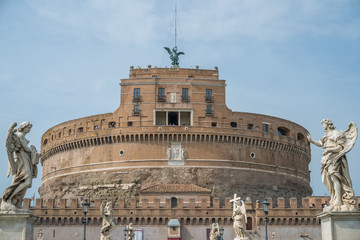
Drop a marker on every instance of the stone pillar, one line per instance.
(17, 226)
(340, 225)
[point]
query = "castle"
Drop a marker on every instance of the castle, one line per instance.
(173, 150)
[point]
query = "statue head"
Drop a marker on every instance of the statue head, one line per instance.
(327, 123)
(24, 125)
(175, 49)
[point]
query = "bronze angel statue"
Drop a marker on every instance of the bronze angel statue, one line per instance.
(334, 166)
(108, 220)
(22, 165)
(240, 220)
(174, 56)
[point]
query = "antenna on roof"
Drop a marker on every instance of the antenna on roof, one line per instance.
(175, 19)
(174, 55)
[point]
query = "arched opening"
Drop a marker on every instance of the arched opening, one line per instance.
(300, 137)
(173, 202)
(249, 223)
(283, 131)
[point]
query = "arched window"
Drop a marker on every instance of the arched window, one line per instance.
(283, 131)
(300, 137)
(173, 202)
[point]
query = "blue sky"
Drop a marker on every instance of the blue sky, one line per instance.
(298, 60)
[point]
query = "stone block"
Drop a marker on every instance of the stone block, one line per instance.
(216, 203)
(293, 203)
(305, 203)
(17, 226)
(281, 202)
(340, 225)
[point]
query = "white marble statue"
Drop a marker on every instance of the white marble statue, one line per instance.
(334, 165)
(108, 220)
(215, 231)
(130, 232)
(240, 220)
(22, 164)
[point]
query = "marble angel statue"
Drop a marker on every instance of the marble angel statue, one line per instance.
(108, 220)
(240, 220)
(22, 165)
(215, 231)
(334, 165)
(130, 231)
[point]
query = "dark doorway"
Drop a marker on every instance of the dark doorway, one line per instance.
(173, 202)
(249, 223)
(173, 118)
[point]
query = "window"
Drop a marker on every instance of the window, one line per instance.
(185, 94)
(161, 94)
(173, 118)
(300, 137)
(233, 124)
(208, 95)
(69, 131)
(136, 110)
(137, 94)
(59, 134)
(80, 129)
(96, 127)
(283, 131)
(250, 126)
(266, 127)
(45, 142)
(112, 125)
(209, 110)
(130, 124)
(213, 124)
(173, 202)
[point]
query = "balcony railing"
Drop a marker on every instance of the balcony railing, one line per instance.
(136, 112)
(209, 112)
(185, 98)
(161, 98)
(137, 98)
(209, 99)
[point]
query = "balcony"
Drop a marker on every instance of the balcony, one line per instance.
(136, 112)
(209, 99)
(185, 98)
(209, 113)
(161, 98)
(137, 98)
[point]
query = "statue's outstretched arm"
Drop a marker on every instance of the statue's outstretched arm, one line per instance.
(317, 143)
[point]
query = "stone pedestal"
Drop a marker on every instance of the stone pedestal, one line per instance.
(17, 226)
(340, 225)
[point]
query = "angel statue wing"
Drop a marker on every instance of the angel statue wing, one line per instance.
(168, 50)
(12, 144)
(181, 53)
(351, 136)
(243, 210)
(102, 208)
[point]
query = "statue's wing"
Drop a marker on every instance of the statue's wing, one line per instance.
(181, 53)
(168, 50)
(351, 136)
(11, 143)
(102, 209)
(243, 210)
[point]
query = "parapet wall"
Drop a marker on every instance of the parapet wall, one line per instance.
(69, 212)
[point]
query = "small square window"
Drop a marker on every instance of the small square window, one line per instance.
(233, 124)
(130, 124)
(213, 124)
